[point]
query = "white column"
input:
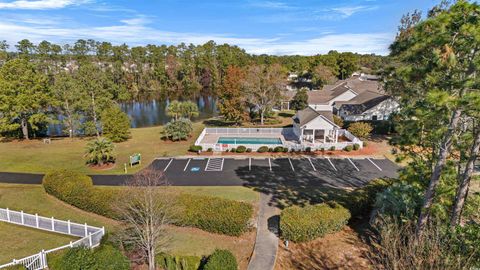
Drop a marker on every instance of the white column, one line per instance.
(301, 137)
(313, 138)
(324, 136)
(336, 136)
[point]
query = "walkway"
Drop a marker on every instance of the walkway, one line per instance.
(266, 242)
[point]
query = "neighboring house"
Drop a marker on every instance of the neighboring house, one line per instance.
(360, 97)
(315, 126)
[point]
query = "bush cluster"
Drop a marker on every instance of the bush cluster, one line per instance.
(105, 257)
(211, 214)
(241, 149)
(262, 149)
(216, 215)
(170, 262)
(221, 260)
(348, 148)
(195, 148)
(360, 202)
(299, 224)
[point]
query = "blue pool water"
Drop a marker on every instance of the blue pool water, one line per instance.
(238, 140)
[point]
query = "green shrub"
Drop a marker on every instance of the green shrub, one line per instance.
(360, 129)
(262, 149)
(69, 186)
(241, 149)
(308, 223)
(171, 262)
(106, 257)
(356, 146)
(365, 144)
(221, 260)
(210, 150)
(204, 212)
(177, 130)
(308, 149)
(270, 149)
(348, 148)
(285, 150)
(215, 214)
(100, 151)
(15, 267)
(249, 150)
(233, 150)
(332, 148)
(360, 202)
(278, 149)
(399, 200)
(195, 148)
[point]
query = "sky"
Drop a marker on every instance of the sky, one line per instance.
(304, 27)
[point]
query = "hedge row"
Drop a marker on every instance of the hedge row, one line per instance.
(169, 262)
(211, 214)
(360, 202)
(299, 224)
(106, 257)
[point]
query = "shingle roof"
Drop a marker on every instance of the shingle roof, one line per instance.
(306, 115)
(361, 103)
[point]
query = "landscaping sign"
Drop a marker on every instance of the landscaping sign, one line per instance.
(135, 159)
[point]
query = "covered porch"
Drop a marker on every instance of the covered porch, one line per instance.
(318, 135)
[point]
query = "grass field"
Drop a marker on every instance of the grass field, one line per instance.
(36, 157)
(19, 242)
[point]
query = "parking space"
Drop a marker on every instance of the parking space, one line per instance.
(305, 171)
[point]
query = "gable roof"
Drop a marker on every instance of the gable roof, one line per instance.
(308, 114)
(362, 102)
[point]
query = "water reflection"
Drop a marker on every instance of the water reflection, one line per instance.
(152, 113)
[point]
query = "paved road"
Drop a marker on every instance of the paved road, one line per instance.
(304, 172)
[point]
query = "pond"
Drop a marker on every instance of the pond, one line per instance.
(151, 113)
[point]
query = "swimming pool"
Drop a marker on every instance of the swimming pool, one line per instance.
(239, 140)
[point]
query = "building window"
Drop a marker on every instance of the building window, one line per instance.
(374, 118)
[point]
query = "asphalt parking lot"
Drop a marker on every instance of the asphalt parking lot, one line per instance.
(336, 172)
(254, 172)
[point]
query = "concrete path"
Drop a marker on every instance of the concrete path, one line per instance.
(266, 242)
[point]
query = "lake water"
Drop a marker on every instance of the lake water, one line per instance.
(152, 113)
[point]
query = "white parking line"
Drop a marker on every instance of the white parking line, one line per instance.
(380, 169)
(331, 163)
(221, 167)
(250, 164)
(311, 163)
(206, 166)
(291, 165)
(351, 162)
(166, 167)
(186, 166)
(270, 164)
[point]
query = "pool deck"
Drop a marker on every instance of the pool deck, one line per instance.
(213, 138)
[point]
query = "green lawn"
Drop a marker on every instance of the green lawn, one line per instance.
(36, 157)
(19, 242)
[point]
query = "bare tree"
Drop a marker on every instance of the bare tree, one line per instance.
(264, 85)
(146, 210)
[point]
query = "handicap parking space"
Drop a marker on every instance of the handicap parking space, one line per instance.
(197, 165)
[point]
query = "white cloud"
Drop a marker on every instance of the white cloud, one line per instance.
(271, 5)
(348, 11)
(136, 31)
(40, 4)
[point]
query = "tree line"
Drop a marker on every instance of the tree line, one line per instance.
(79, 81)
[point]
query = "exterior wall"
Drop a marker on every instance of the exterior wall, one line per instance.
(382, 111)
(319, 123)
(321, 107)
(349, 95)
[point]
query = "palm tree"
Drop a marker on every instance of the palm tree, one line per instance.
(100, 151)
(189, 109)
(174, 109)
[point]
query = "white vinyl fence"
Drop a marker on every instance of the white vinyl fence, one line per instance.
(90, 236)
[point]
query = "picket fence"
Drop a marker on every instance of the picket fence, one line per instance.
(90, 236)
